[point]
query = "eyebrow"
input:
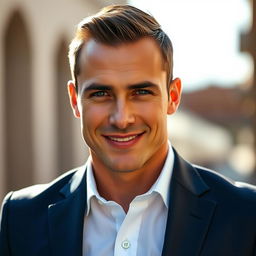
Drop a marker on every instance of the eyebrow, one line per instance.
(95, 86)
(142, 85)
(104, 87)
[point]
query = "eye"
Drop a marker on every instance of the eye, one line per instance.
(99, 94)
(142, 92)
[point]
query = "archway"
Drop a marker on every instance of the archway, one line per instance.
(18, 107)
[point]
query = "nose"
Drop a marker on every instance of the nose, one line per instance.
(122, 115)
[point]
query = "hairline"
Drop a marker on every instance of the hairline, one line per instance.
(90, 28)
(90, 37)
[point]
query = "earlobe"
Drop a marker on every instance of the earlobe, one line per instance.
(174, 95)
(72, 92)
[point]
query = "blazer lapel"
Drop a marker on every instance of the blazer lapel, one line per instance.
(189, 213)
(66, 218)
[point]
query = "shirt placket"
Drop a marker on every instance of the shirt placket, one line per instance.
(128, 234)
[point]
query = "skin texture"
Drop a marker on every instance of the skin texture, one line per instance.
(122, 102)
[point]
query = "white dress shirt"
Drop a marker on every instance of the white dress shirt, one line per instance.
(108, 230)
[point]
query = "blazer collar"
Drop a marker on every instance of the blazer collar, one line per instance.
(76, 181)
(66, 217)
(188, 177)
(189, 214)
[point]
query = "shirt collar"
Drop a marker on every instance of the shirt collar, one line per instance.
(161, 186)
(90, 184)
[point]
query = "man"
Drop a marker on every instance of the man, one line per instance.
(135, 195)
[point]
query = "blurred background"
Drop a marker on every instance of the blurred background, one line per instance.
(214, 55)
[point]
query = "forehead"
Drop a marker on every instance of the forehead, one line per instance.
(140, 57)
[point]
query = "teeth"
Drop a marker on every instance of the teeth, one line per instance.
(123, 139)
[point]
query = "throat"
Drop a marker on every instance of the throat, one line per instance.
(123, 187)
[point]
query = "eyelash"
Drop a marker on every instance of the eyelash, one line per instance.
(142, 92)
(99, 94)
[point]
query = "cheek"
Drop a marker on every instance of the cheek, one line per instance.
(156, 118)
(93, 116)
(155, 112)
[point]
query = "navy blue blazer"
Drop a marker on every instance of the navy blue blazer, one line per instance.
(209, 215)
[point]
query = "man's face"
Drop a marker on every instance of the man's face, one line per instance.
(123, 103)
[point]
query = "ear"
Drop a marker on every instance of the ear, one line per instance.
(174, 95)
(72, 92)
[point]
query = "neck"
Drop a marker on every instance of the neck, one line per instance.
(123, 187)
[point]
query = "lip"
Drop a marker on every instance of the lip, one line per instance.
(123, 141)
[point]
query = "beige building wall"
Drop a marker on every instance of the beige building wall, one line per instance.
(51, 135)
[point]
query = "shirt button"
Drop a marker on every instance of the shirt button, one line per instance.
(126, 244)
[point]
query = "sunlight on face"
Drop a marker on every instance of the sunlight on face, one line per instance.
(123, 103)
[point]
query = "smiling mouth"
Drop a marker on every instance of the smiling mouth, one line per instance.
(124, 139)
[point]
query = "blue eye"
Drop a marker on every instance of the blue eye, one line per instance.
(99, 94)
(142, 92)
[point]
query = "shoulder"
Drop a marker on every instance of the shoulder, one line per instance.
(227, 188)
(43, 193)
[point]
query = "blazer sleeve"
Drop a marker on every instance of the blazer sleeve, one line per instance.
(4, 241)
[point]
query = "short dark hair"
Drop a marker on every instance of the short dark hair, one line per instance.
(117, 24)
